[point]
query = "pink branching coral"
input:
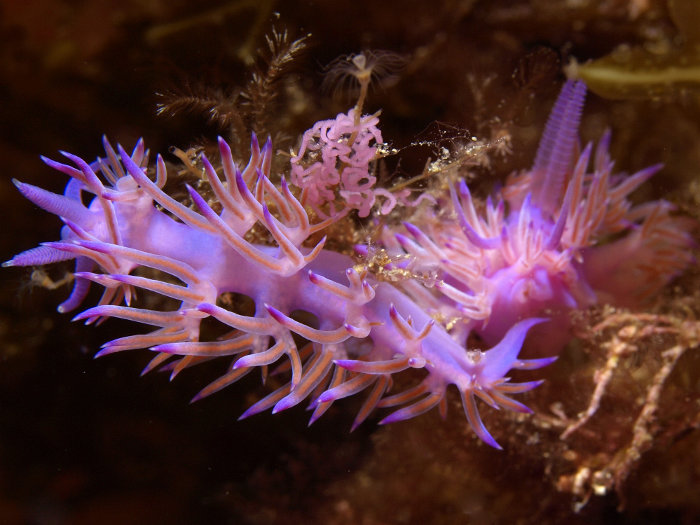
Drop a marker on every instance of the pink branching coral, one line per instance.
(537, 253)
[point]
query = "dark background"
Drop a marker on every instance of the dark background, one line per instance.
(86, 441)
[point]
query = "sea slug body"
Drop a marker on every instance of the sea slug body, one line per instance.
(498, 273)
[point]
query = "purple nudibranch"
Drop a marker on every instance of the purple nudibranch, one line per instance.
(542, 247)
